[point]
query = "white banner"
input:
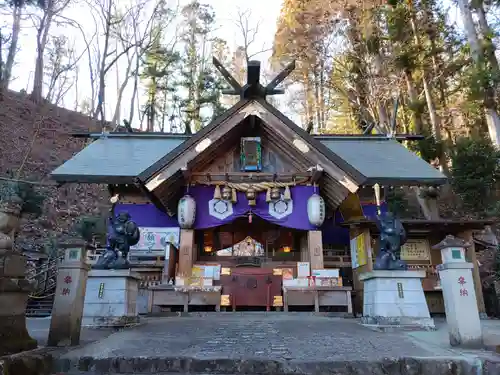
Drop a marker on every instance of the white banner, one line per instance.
(157, 238)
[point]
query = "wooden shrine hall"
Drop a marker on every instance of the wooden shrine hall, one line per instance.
(253, 211)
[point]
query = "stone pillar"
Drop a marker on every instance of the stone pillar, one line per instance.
(462, 314)
(186, 252)
(315, 245)
(66, 322)
(478, 286)
(395, 298)
(14, 288)
(111, 298)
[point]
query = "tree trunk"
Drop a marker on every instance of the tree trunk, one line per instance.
(435, 120)
(41, 43)
(490, 112)
(11, 55)
(412, 93)
(383, 117)
(136, 86)
(99, 111)
(121, 89)
(486, 33)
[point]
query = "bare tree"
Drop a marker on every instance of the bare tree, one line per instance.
(17, 7)
(62, 62)
(141, 41)
(164, 18)
(111, 18)
(93, 57)
(249, 30)
(50, 10)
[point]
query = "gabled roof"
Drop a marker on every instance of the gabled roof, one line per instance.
(343, 175)
(118, 158)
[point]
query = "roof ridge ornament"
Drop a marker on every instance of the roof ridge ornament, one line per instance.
(253, 89)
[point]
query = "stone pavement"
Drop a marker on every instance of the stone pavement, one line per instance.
(274, 343)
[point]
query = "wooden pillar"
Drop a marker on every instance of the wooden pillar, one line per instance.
(186, 252)
(315, 246)
(304, 248)
(471, 257)
(357, 284)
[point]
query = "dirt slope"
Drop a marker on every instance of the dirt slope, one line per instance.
(35, 139)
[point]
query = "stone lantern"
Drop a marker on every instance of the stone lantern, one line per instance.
(462, 314)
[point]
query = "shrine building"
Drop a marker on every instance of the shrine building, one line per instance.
(254, 212)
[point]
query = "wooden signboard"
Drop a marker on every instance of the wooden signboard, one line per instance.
(359, 255)
(416, 249)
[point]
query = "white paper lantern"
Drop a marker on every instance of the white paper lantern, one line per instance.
(186, 212)
(316, 210)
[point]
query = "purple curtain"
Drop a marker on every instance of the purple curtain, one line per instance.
(147, 215)
(298, 219)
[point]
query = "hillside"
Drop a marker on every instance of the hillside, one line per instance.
(35, 139)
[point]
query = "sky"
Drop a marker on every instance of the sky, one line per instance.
(265, 11)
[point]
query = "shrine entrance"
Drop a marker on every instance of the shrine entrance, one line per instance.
(251, 257)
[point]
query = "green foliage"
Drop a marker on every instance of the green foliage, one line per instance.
(475, 172)
(396, 201)
(427, 148)
(91, 228)
(25, 194)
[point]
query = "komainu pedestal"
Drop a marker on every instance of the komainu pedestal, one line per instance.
(14, 288)
(111, 298)
(14, 292)
(395, 298)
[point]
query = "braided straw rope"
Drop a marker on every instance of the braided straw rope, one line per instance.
(257, 186)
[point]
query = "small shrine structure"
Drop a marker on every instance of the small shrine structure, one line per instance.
(253, 210)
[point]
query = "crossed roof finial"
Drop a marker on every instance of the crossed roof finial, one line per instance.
(253, 88)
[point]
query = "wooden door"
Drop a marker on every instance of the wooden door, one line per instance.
(253, 287)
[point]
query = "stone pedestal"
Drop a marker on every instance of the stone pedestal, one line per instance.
(111, 298)
(14, 336)
(66, 322)
(395, 298)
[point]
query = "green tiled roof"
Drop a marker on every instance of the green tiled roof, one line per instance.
(116, 158)
(383, 160)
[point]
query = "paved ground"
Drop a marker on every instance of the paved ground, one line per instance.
(39, 330)
(275, 336)
(217, 340)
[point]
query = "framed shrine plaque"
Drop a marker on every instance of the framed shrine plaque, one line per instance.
(251, 154)
(416, 249)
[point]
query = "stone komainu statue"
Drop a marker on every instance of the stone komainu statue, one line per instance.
(392, 237)
(123, 233)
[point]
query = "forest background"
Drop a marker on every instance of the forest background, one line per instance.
(425, 67)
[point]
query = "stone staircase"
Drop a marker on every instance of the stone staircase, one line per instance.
(44, 279)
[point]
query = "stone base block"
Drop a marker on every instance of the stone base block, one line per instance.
(14, 336)
(395, 298)
(111, 298)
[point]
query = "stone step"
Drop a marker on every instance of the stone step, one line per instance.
(228, 366)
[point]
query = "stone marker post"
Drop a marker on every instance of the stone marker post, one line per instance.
(66, 322)
(459, 295)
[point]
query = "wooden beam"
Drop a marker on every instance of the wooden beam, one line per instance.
(280, 77)
(182, 160)
(151, 196)
(229, 78)
(288, 134)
